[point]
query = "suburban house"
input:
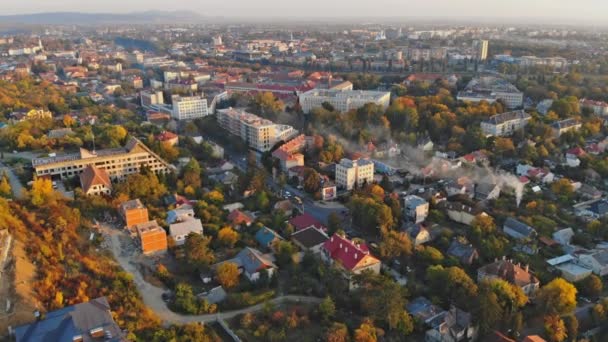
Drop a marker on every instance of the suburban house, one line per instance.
(252, 262)
(418, 233)
(518, 230)
(597, 261)
(133, 212)
(84, 322)
(513, 273)
(352, 256)
(94, 181)
(563, 126)
(462, 213)
(310, 239)
(167, 138)
(487, 191)
(424, 310)
(152, 237)
(239, 218)
(454, 325)
(304, 221)
(267, 237)
(416, 208)
(179, 214)
(563, 236)
(180, 230)
(463, 251)
(569, 268)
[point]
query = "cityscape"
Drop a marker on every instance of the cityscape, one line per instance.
(251, 171)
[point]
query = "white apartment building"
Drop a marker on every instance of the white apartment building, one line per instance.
(150, 99)
(505, 124)
(117, 162)
(258, 133)
(354, 172)
(342, 100)
(491, 89)
(187, 108)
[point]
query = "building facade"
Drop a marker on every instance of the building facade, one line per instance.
(505, 124)
(188, 108)
(351, 173)
(342, 100)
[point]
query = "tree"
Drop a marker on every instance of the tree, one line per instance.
(262, 201)
(192, 174)
(563, 187)
(266, 105)
(227, 236)
(557, 297)
(592, 286)
(484, 224)
(555, 328)
(284, 251)
(227, 274)
(312, 181)
(198, 253)
(184, 299)
(571, 324)
(337, 332)
(68, 121)
(462, 289)
(504, 146)
(5, 187)
(327, 309)
(333, 223)
(366, 332)
(42, 190)
(395, 244)
(489, 311)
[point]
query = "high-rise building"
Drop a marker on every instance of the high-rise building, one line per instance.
(481, 47)
(354, 172)
(192, 107)
(258, 133)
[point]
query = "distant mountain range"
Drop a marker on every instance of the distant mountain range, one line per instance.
(80, 18)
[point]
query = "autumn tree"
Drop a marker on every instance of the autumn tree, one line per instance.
(312, 181)
(555, 328)
(592, 286)
(337, 332)
(395, 244)
(462, 289)
(327, 309)
(563, 188)
(198, 253)
(366, 332)
(227, 274)
(5, 187)
(557, 297)
(192, 174)
(266, 105)
(227, 236)
(41, 192)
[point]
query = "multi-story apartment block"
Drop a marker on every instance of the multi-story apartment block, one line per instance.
(152, 237)
(150, 99)
(133, 213)
(416, 208)
(342, 100)
(186, 108)
(117, 162)
(491, 89)
(505, 124)
(481, 47)
(598, 107)
(563, 126)
(258, 133)
(354, 172)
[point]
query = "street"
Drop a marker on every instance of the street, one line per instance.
(16, 185)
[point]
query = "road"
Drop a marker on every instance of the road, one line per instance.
(16, 185)
(152, 295)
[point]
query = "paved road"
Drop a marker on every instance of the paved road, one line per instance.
(152, 295)
(12, 178)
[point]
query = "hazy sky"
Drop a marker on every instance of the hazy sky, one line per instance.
(571, 10)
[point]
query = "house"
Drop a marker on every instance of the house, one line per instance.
(179, 231)
(563, 126)
(418, 233)
(487, 191)
(589, 192)
(416, 208)
(304, 221)
(352, 256)
(596, 260)
(424, 310)
(239, 218)
(179, 214)
(454, 325)
(133, 212)
(462, 186)
(85, 322)
(518, 230)
(285, 206)
(94, 181)
(463, 251)
(252, 263)
(462, 213)
(513, 273)
(167, 138)
(215, 295)
(310, 239)
(59, 133)
(267, 237)
(568, 268)
(563, 236)
(152, 238)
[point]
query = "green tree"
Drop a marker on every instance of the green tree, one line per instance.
(592, 286)
(395, 244)
(192, 174)
(197, 251)
(571, 324)
(327, 309)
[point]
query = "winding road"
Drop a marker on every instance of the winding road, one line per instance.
(152, 295)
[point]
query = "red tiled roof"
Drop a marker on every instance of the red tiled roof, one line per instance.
(304, 221)
(577, 151)
(93, 176)
(237, 217)
(346, 252)
(166, 136)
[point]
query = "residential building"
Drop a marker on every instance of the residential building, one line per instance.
(481, 49)
(487, 191)
(252, 263)
(342, 100)
(179, 215)
(180, 230)
(454, 325)
(491, 89)
(304, 221)
(544, 106)
(310, 239)
(117, 162)
(419, 234)
(505, 124)
(598, 107)
(463, 251)
(188, 108)
(513, 273)
(351, 256)
(152, 238)
(569, 269)
(239, 218)
(597, 261)
(462, 213)
(133, 212)
(518, 230)
(94, 181)
(416, 208)
(167, 138)
(267, 237)
(563, 126)
(259, 134)
(85, 322)
(563, 236)
(289, 154)
(351, 173)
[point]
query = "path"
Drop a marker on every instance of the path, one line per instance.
(16, 185)
(152, 295)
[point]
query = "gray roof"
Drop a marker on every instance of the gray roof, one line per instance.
(186, 227)
(519, 227)
(570, 122)
(251, 260)
(508, 116)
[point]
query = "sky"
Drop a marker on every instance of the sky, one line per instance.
(558, 10)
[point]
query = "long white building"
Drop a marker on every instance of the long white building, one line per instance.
(187, 108)
(354, 172)
(342, 100)
(258, 133)
(491, 89)
(505, 124)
